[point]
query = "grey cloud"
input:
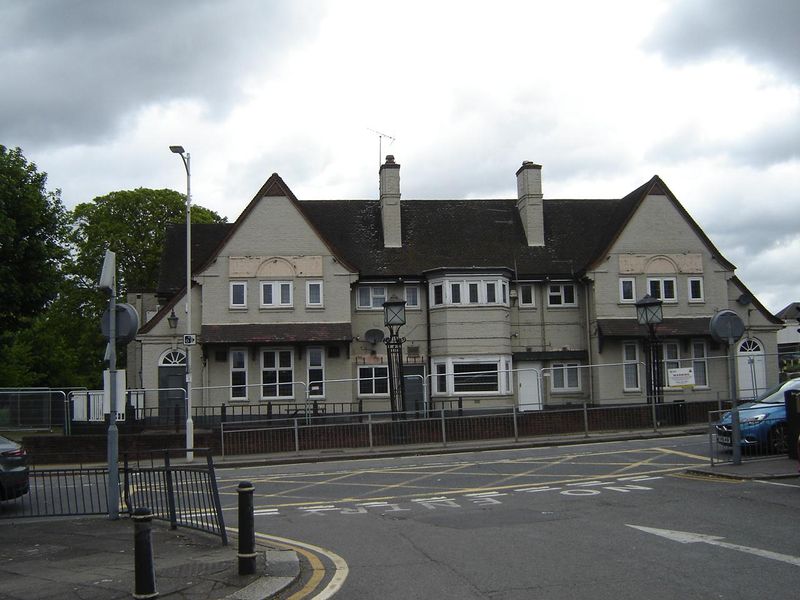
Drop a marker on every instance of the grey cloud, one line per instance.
(764, 32)
(73, 70)
(769, 146)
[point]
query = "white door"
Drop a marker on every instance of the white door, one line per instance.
(529, 388)
(751, 369)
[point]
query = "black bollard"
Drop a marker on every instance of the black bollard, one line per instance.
(145, 585)
(247, 531)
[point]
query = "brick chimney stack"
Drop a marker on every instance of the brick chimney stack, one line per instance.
(530, 203)
(390, 203)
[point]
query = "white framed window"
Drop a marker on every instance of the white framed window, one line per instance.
(670, 359)
(627, 289)
(491, 292)
(412, 296)
(238, 294)
(474, 292)
(700, 363)
(238, 368)
(315, 363)
(455, 292)
(565, 377)
(663, 288)
(373, 381)
(276, 294)
(370, 297)
(525, 294)
(463, 292)
(314, 298)
(472, 375)
(437, 294)
(277, 374)
(630, 367)
(695, 289)
(561, 294)
(440, 369)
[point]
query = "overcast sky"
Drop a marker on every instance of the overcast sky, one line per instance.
(604, 95)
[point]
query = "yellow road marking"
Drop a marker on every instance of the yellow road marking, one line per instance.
(704, 459)
(459, 491)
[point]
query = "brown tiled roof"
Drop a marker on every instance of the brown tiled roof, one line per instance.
(678, 326)
(276, 333)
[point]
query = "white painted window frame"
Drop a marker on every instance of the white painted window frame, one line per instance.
(278, 369)
(561, 293)
(661, 281)
(237, 284)
(622, 282)
(233, 369)
(309, 284)
(692, 300)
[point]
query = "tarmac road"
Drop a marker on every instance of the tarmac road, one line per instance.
(588, 521)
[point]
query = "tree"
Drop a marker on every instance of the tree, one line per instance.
(33, 231)
(133, 224)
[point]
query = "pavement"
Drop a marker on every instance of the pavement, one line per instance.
(93, 557)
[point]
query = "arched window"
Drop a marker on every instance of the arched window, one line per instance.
(750, 345)
(172, 358)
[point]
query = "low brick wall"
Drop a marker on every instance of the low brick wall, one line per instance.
(78, 449)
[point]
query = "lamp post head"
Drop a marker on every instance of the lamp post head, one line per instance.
(394, 312)
(649, 311)
(177, 149)
(172, 319)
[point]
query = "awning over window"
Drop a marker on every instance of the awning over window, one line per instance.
(276, 333)
(677, 327)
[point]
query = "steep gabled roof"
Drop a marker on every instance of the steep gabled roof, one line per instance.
(630, 204)
(790, 312)
(207, 242)
(454, 234)
(205, 239)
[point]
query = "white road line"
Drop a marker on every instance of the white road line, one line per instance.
(685, 537)
(791, 485)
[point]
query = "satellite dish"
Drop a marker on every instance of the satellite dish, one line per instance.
(373, 336)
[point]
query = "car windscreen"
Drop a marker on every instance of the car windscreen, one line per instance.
(774, 395)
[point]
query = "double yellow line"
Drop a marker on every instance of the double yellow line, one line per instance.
(312, 554)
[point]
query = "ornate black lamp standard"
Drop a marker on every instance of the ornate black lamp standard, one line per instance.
(649, 312)
(394, 317)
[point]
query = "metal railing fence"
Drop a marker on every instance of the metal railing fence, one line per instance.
(184, 494)
(33, 408)
(761, 437)
(442, 426)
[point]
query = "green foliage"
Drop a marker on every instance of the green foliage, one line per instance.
(133, 224)
(33, 228)
(50, 262)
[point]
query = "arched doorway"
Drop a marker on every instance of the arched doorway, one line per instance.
(171, 385)
(751, 368)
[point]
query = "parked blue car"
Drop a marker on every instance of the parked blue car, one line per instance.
(762, 423)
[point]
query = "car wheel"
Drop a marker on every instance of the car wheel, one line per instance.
(778, 439)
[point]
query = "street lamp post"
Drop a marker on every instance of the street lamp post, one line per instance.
(186, 158)
(649, 312)
(394, 317)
